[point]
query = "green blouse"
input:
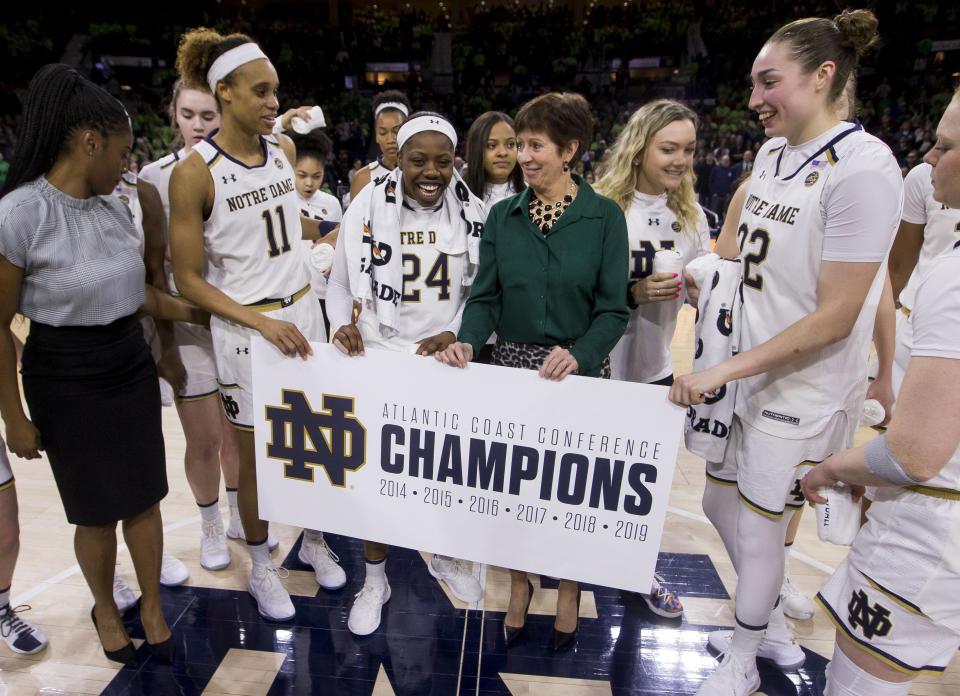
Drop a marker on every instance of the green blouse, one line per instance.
(570, 284)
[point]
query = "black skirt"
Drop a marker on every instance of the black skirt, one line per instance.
(93, 395)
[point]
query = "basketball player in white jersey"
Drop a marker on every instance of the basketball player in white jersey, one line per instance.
(126, 191)
(20, 635)
(819, 218)
(894, 599)
(235, 233)
(390, 110)
(187, 359)
(313, 149)
(779, 643)
(418, 209)
(927, 229)
(649, 174)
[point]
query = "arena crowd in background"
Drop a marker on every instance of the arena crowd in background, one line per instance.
(497, 61)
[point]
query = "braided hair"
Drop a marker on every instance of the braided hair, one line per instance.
(59, 102)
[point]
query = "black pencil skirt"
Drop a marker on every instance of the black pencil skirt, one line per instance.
(93, 395)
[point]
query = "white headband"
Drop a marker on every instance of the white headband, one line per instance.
(391, 105)
(230, 61)
(427, 122)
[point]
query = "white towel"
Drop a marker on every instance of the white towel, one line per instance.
(379, 284)
(717, 338)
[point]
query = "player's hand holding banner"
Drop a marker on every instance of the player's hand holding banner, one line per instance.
(570, 479)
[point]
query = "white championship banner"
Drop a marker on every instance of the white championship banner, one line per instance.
(569, 479)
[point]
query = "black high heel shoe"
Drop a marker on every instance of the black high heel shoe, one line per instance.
(127, 655)
(163, 650)
(562, 639)
(511, 633)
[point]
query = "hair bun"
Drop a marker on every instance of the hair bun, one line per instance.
(859, 28)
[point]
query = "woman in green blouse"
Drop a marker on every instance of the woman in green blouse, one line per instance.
(551, 283)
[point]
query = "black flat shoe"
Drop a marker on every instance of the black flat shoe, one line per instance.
(127, 655)
(163, 650)
(563, 640)
(511, 633)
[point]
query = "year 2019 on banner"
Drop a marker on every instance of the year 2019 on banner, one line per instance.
(490, 464)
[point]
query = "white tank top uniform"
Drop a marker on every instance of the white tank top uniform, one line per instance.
(941, 230)
(252, 236)
(194, 343)
(643, 354)
(433, 294)
(378, 170)
(494, 193)
(325, 208)
(158, 175)
(126, 191)
(895, 594)
(255, 256)
(835, 198)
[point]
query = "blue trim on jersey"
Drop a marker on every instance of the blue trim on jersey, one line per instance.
(263, 144)
(429, 210)
(176, 158)
(828, 146)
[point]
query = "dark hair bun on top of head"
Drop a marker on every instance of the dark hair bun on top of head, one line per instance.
(859, 27)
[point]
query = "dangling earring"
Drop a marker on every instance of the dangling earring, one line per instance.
(566, 167)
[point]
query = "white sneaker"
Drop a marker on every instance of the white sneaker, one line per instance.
(735, 676)
(796, 605)
(273, 600)
(213, 545)
(325, 563)
(235, 531)
(172, 571)
(122, 594)
(458, 577)
(367, 605)
(20, 635)
(778, 645)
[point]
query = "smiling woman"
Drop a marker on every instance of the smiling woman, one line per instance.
(186, 360)
(551, 284)
(649, 173)
(235, 233)
(421, 225)
(822, 206)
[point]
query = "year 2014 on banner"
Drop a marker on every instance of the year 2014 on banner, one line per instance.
(490, 464)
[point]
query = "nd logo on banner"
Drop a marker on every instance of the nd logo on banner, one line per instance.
(337, 440)
(489, 464)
